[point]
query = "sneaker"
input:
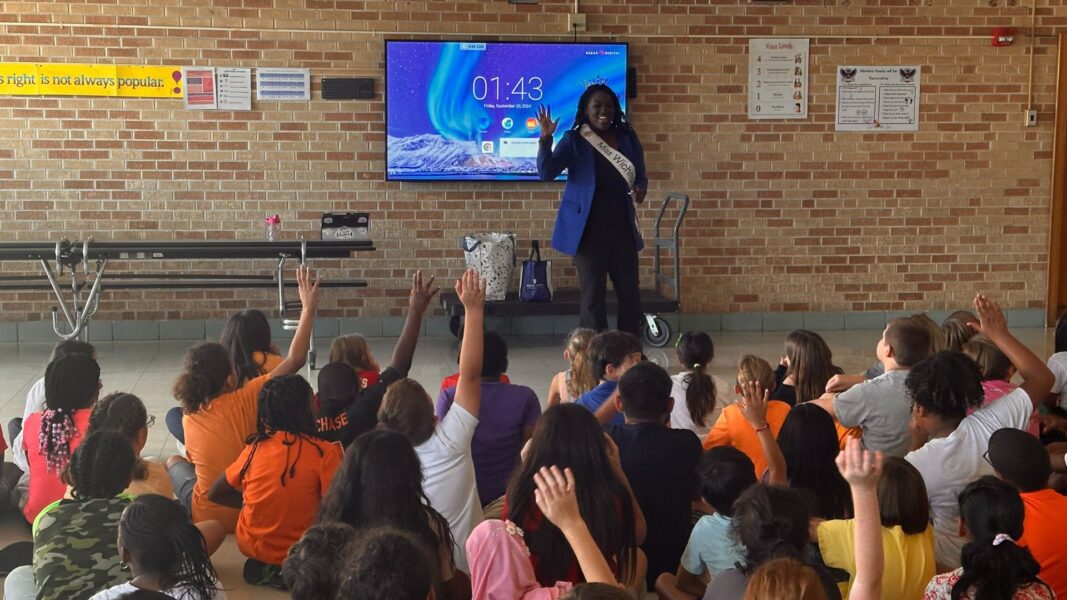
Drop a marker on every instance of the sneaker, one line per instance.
(258, 573)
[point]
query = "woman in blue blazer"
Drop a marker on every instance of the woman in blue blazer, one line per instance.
(596, 222)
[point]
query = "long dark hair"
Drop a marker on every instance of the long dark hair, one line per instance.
(284, 409)
(207, 367)
(809, 443)
(126, 414)
(71, 383)
(695, 352)
(989, 507)
(246, 333)
(158, 532)
(619, 122)
(379, 483)
(102, 466)
(770, 522)
(567, 435)
(811, 363)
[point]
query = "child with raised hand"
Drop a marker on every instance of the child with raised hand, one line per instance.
(278, 480)
(578, 379)
(219, 416)
(699, 396)
(734, 429)
(994, 565)
(444, 448)
(942, 388)
(343, 417)
(164, 551)
(500, 561)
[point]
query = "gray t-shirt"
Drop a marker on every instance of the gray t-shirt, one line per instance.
(882, 407)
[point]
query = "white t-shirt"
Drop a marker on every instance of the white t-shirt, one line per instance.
(178, 593)
(1057, 363)
(448, 477)
(948, 464)
(34, 403)
(680, 417)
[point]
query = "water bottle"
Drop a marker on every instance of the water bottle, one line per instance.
(274, 227)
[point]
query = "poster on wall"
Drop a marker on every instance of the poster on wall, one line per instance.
(235, 88)
(778, 79)
(878, 98)
(276, 84)
(72, 79)
(200, 91)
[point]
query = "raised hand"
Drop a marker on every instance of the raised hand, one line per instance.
(753, 403)
(555, 496)
(990, 316)
(306, 289)
(860, 468)
(421, 293)
(544, 120)
(471, 290)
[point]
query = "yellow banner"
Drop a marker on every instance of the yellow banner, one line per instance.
(63, 79)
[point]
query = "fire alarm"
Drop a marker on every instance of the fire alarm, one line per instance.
(1003, 36)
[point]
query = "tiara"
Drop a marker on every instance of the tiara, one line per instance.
(598, 80)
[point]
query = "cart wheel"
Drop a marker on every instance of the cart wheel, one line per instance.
(455, 325)
(660, 338)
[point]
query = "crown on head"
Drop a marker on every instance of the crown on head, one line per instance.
(597, 80)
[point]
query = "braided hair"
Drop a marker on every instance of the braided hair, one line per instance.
(71, 382)
(126, 414)
(285, 409)
(245, 334)
(101, 467)
(158, 533)
(207, 367)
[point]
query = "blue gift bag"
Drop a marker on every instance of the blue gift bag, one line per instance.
(535, 284)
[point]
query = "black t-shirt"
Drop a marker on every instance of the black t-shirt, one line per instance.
(610, 197)
(345, 423)
(661, 464)
(783, 392)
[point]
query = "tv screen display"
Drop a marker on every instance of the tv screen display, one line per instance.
(467, 110)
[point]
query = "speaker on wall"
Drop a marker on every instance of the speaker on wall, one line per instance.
(347, 88)
(631, 82)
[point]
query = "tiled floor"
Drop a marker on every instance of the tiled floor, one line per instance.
(148, 369)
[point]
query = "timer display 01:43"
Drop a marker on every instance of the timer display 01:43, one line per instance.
(526, 88)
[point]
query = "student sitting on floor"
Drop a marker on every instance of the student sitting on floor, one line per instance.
(72, 384)
(997, 372)
(809, 443)
(343, 414)
(219, 416)
(387, 563)
(444, 447)
(734, 429)
(126, 414)
(659, 462)
(725, 473)
(354, 351)
(278, 480)
(805, 369)
(74, 541)
(942, 388)
(699, 396)
(881, 406)
(312, 568)
(506, 420)
(1021, 460)
(612, 354)
(578, 379)
(164, 552)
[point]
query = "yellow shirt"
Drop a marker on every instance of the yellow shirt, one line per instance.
(909, 559)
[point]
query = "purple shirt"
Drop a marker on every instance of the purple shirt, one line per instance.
(506, 410)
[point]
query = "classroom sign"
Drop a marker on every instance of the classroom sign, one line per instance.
(65, 79)
(878, 98)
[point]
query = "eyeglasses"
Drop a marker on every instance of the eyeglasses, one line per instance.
(151, 421)
(986, 457)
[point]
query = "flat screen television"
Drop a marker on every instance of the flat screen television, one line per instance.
(466, 111)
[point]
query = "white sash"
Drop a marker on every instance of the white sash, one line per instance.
(616, 158)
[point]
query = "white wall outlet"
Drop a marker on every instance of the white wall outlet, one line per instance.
(577, 22)
(1031, 118)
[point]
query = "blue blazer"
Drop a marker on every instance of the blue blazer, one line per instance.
(576, 155)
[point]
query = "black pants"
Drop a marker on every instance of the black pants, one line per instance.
(607, 252)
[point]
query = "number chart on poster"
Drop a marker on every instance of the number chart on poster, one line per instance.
(878, 98)
(778, 79)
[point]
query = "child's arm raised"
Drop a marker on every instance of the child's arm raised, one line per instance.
(753, 406)
(862, 469)
(418, 302)
(471, 291)
(309, 302)
(1037, 379)
(555, 496)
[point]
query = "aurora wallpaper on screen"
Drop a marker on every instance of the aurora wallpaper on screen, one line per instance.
(467, 110)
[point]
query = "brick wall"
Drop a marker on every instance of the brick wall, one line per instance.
(786, 216)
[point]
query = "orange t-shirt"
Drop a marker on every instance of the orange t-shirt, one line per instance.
(214, 437)
(282, 487)
(733, 430)
(1044, 522)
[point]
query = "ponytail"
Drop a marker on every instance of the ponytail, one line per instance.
(207, 367)
(994, 565)
(71, 383)
(695, 352)
(582, 379)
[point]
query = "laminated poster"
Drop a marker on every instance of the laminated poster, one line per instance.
(235, 88)
(778, 79)
(878, 98)
(275, 84)
(200, 92)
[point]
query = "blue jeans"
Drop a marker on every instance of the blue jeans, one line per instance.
(174, 423)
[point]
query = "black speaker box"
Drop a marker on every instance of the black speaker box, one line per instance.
(631, 82)
(348, 88)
